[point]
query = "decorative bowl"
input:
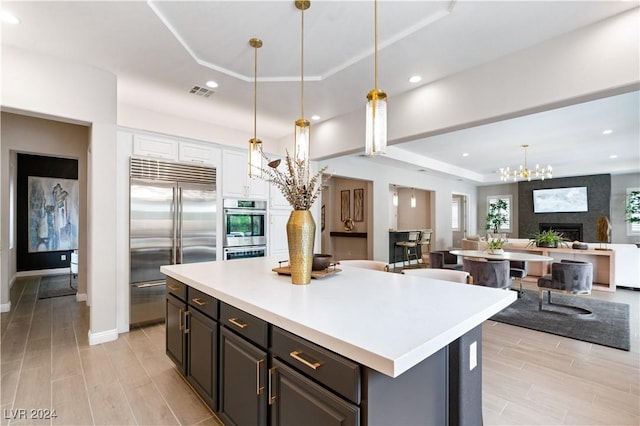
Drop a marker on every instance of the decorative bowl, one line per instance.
(320, 261)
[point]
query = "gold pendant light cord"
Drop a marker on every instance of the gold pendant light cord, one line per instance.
(375, 43)
(302, 65)
(255, 89)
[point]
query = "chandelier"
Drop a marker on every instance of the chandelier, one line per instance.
(524, 173)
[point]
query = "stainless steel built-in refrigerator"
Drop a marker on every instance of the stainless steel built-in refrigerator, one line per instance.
(172, 220)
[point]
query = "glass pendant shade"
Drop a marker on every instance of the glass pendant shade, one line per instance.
(395, 199)
(413, 201)
(376, 123)
(255, 158)
(302, 136)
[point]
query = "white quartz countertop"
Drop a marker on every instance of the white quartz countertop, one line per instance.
(388, 322)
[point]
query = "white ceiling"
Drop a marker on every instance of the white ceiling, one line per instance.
(159, 50)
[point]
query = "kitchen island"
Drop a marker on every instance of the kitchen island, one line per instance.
(399, 349)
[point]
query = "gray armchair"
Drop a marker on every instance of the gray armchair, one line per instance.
(567, 276)
(442, 259)
(518, 269)
(489, 273)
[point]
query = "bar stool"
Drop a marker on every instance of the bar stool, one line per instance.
(409, 248)
(425, 244)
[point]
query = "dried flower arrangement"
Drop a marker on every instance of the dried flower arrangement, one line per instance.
(300, 189)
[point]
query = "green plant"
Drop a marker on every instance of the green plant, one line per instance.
(633, 207)
(548, 238)
(496, 244)
(497, 215)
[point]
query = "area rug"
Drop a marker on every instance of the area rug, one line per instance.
(607, 324)
(55, 286)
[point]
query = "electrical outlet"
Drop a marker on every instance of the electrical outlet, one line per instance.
(63, 257)
(473, 355)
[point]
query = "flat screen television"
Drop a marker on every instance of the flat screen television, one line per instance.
(557, 200)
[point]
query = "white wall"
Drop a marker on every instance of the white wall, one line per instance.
(44, 86)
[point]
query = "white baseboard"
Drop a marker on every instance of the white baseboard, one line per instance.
(81, 297)
(56, 271)
(102, 337)
(5, 307)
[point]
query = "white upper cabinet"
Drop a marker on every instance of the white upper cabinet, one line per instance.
(151, 146)
(199, 153)
(235, 180)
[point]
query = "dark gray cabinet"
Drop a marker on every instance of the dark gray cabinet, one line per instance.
(174, 329)
(202, 355)
(243, 381)
(192, 338)
(297, 400)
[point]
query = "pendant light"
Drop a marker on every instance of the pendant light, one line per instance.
(413, 198)
(255, 144)
(395, 197)
(376, 111)
(302, 133)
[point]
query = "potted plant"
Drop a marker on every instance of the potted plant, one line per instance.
(496, 245)
(548, 238)
(497, 215)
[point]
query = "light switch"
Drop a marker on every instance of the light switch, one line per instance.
(63, 257)
(473, 355)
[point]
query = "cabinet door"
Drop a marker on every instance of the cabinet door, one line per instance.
(258, 188)
(199, 153)
(234, 174)
(243, 378)
(296, 400)
(149, 146)
(278, 245)
(174, 328)
(202, 345)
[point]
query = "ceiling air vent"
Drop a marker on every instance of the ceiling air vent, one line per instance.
(201, 91)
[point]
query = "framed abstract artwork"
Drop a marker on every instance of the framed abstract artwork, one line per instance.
(53, 214)
(345, 205)
(358, 205)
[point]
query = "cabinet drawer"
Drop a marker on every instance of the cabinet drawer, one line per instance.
(328, 368)
(176, 288)
(206, 304)
(253, 328)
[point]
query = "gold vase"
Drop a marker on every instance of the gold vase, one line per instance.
(301, 231)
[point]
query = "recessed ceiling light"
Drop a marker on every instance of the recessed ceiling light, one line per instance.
(612, 156)
(415, 79)
(465, 154)
(8, 17)
(315, 117)
(607, 132)
(212, 84)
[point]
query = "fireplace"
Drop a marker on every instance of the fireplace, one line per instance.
(570, 231)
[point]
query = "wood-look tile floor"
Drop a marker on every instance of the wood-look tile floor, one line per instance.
(529, 377)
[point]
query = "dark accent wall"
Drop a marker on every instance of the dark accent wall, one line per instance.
(35, 165)
(598, 196)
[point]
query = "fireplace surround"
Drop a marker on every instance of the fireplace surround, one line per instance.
(570, 231)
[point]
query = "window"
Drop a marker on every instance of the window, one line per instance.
(506, 226)
(633, 228)
(455, 214)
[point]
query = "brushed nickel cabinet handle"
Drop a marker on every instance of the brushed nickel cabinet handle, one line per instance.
(297, 356)
(238, 323)
(259, 388)
(173, 287)
(198, 301)
(272, 398)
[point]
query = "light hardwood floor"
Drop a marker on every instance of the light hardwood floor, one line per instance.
(529, 377)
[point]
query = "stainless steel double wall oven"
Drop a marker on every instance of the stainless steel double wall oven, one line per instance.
(245, 228)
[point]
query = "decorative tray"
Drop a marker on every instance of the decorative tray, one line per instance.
(286, 270)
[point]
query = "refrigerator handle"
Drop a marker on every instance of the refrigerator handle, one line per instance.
(173, 231)
(179, 224)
